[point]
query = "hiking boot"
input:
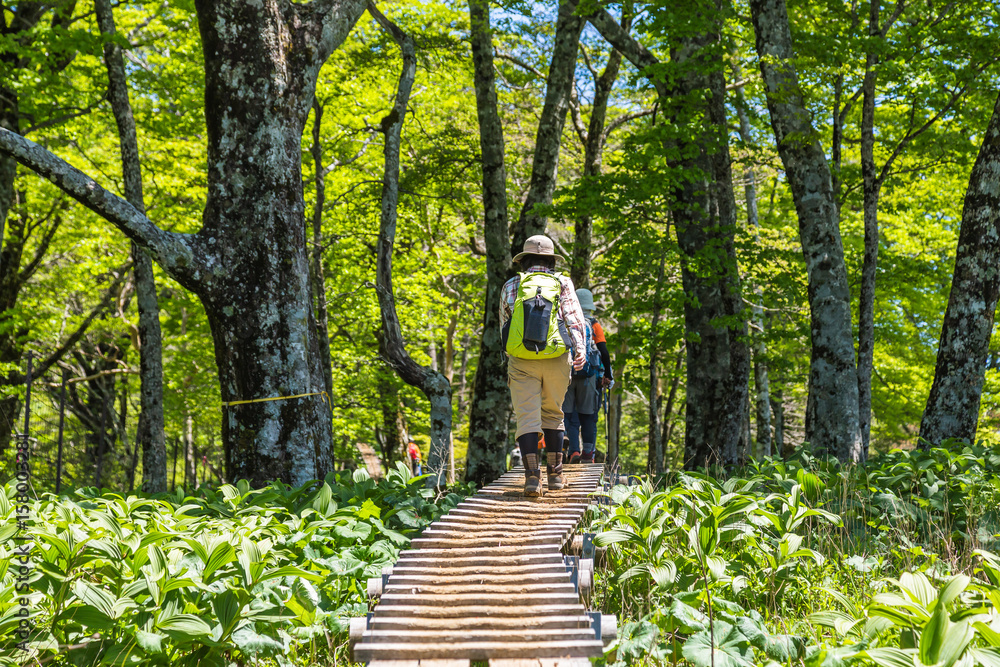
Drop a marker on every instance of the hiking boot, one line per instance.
(574, 458)
(587, 457)
(532, 477)
(553, 469)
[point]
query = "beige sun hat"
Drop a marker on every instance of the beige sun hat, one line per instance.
(537, 245)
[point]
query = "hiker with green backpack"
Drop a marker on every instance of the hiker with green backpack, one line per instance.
(543, 331)
(582, 403)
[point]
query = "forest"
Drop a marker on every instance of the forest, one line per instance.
(252, 249)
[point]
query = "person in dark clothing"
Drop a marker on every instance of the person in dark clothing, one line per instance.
(582, 403)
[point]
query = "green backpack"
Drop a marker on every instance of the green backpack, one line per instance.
(534, 330)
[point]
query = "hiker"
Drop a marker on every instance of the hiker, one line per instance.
(543, 328)
(582, 403)
(413, 452)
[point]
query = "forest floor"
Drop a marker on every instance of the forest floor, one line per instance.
(800, 562)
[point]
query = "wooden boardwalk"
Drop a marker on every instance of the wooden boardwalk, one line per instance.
(489, 581)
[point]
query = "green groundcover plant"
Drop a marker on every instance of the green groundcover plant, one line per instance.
(230, 576)
(809, 563)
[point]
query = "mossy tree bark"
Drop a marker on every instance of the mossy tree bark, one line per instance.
(249, 264)
(953, 406)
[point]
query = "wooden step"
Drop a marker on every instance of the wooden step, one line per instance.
(406, 579)
(514, 623)
(366, 651)
(438, 569)
(466, 611)
(498, 552)
(446, 587)
(446, 636)
(457, 542)
(520, 600)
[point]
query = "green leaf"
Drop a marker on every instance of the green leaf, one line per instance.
(613, 536)
(87, 616)
(987, 657)
(708, 535)
(729, 649)
(953, 589)
(290, 570)
(956, 640)
(991, 636)
(95, 597)
(186, 627)
(150, 642)
(369, 509)
(227, 609)
(890, 657)
(222, 555)
(252, 643)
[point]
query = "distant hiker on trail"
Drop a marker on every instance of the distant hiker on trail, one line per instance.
(582, 403)
(543, 326)
(413, 452)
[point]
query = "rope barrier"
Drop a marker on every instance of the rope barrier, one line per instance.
(326, 399)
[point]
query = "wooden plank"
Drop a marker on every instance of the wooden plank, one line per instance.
(491, 551)
(477, 522)
(456, 541)
(485, 532)
(520, 600)
(366, 651)
(509, 588)
(446, 636)
(516, 623)
(481, 512)
(438, 568)
(543, 662)
(480, 579)
(454, 662)
(422, 559)
(466, 611)
(531, 506)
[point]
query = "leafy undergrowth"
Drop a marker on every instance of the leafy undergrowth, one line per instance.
(228, 577)
(808, 563)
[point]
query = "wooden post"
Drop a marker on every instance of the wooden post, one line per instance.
(100, 440)
(27, 402)
(173, 476)
(62, 421)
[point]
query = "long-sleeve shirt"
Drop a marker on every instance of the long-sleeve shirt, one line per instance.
(569, 306)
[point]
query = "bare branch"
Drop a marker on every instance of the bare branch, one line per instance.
(58, 120)
(621, 40)
(176, 253)
(621, 120)
(520, 63)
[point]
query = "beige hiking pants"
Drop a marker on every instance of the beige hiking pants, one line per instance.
(537, 390)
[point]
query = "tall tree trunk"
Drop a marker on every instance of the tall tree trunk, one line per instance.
(834, 427)
(318, 283)
(190, 464)
(395, 432)
(953, 406)
(778, 410)
(150, 428)
(667, 429)
(718, 361)
(490, 413)
(558, 89)
(872, 185)
(614, 413)
(654, 452)
(760, 378)
(249, 264)
(435, 386)
(592, 157)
